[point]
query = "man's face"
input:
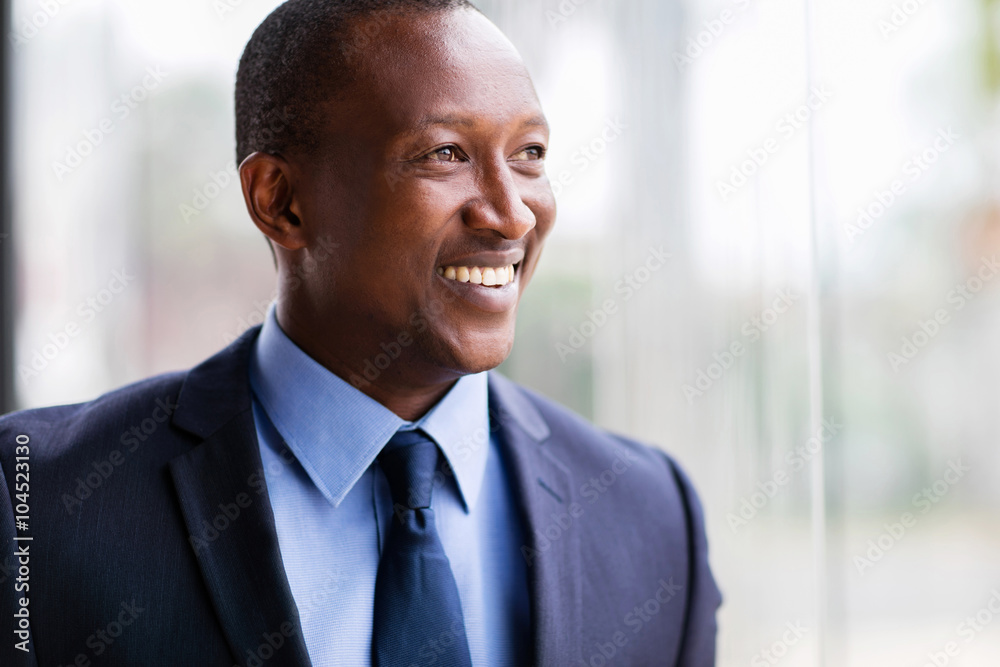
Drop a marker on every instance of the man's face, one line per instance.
(431, 182)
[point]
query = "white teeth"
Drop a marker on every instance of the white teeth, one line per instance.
(479, 275)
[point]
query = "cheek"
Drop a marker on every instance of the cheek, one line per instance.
(542, 202)
(416, 211)
(544, 224)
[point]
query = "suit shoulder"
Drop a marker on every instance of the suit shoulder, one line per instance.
(591, 447)
(108, 412)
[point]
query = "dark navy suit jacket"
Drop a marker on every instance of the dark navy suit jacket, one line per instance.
(117, 487)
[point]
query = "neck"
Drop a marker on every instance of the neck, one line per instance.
(407, 397)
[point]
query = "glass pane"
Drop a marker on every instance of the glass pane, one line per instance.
(774, 259)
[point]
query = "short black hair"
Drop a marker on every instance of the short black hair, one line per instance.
(298, 58)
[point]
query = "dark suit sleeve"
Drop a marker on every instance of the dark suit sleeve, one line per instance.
(698, 649)
(9, 654)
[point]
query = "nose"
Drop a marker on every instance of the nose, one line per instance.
(499, 206)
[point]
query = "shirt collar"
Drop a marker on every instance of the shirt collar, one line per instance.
(336, 431)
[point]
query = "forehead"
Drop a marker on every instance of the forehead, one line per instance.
(421, 68)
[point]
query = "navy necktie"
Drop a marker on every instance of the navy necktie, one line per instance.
(418, 614)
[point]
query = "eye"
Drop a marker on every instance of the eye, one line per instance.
(444, 154)
(531, 153)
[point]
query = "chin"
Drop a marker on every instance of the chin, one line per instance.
(488, 357)
(486, 363)
(470, 354)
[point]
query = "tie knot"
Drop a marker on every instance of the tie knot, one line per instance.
(409, 462)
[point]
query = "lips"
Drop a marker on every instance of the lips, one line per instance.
(487, 276)
(496, 298)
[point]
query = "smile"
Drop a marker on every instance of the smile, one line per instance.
(487, 276)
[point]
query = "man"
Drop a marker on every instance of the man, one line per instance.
(347, 484)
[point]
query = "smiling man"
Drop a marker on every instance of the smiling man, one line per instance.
(349, 483)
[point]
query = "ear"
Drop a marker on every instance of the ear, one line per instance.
(270, 198)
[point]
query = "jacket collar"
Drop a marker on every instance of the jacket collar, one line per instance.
(223, 496)
(546, 497)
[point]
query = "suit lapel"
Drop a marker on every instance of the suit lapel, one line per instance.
(223, 497)
(544, 489)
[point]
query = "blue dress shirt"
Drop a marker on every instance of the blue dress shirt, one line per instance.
(332, 506)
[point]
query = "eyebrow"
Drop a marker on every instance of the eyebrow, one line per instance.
(431, 121)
